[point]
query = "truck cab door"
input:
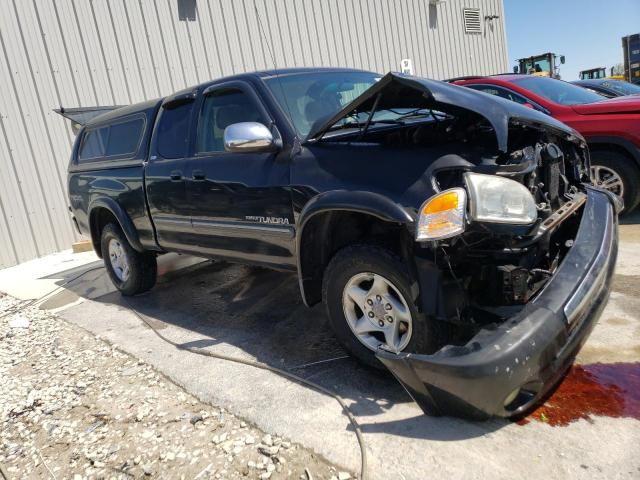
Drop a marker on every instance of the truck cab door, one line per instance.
(240, 201)
(166, 171)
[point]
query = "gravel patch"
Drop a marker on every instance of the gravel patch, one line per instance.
(74, 407)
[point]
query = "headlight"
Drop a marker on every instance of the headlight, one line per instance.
(442, 216)
(496, 199)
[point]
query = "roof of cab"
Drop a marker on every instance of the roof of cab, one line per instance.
(262, 74)
(279, 72)
(292, 71)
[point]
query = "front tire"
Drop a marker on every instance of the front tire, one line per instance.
(371, 302)
(618, 174)
(131, 272)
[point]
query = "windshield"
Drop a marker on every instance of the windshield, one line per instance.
(557, 91)
(310, 98)
(540, 65)
(625, 88)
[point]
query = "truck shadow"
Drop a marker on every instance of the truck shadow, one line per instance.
(632, 218)
(260, 312)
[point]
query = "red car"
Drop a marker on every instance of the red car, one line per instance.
(610, 126)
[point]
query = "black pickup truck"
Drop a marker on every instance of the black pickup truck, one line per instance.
(453, 236)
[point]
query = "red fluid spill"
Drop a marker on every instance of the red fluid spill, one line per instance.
(600, 389)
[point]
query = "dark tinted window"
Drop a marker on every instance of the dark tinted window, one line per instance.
(500, 92)
(557, 91)
(121, 139)
(94, 143)
(625, 88)
(173, 131)
(124, 137)
(219, 110)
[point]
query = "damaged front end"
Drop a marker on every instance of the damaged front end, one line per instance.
(515, 252)
(521, 336)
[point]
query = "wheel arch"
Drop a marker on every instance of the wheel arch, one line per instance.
(616, 144)
(359, 213)
(101, 211)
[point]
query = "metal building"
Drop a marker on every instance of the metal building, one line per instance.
(80, 53)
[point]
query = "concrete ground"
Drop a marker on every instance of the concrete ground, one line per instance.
(257, 314)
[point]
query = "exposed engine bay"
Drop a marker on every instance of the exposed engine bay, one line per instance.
(492, 270)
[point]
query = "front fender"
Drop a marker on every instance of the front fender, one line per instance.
(121, 216)
(368, 203)
(355, 201)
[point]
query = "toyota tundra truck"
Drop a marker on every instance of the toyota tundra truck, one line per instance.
(454, 237)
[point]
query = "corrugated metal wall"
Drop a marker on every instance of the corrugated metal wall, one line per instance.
(103, 52)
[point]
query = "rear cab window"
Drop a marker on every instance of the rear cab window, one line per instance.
(119, 140)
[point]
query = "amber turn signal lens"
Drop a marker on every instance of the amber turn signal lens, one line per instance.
(440, 203)
(442, 216)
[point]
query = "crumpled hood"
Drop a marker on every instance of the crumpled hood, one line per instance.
(628, 104)
(403, 91)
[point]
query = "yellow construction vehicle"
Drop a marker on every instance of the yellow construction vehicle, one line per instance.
(544, 65)
(599, 72)
(593, 73)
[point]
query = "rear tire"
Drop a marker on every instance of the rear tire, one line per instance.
(131, 272)
(356, 269)
(606, 165)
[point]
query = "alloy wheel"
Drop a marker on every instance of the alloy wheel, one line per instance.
(376, 312)
(608, 179)
(118, 260)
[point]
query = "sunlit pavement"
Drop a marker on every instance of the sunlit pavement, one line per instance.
(255, 313)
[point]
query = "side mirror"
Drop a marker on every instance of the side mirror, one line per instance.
(562, 59)
(248, 137)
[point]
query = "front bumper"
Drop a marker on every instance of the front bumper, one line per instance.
(507, 370)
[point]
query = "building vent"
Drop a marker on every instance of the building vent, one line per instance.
(472, 22)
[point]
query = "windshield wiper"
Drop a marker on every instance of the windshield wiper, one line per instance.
(363, 132)
(360, 126)
(400, 120)
(344, 126)
(419, 114)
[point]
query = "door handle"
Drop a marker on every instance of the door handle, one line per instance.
(175, 175)
(198, 175)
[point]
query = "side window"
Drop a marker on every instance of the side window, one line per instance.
(94, 144)
(500, 92)
(220, 109)
(173, 131)
(486, 89)
(514, 97)
(124, 137)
